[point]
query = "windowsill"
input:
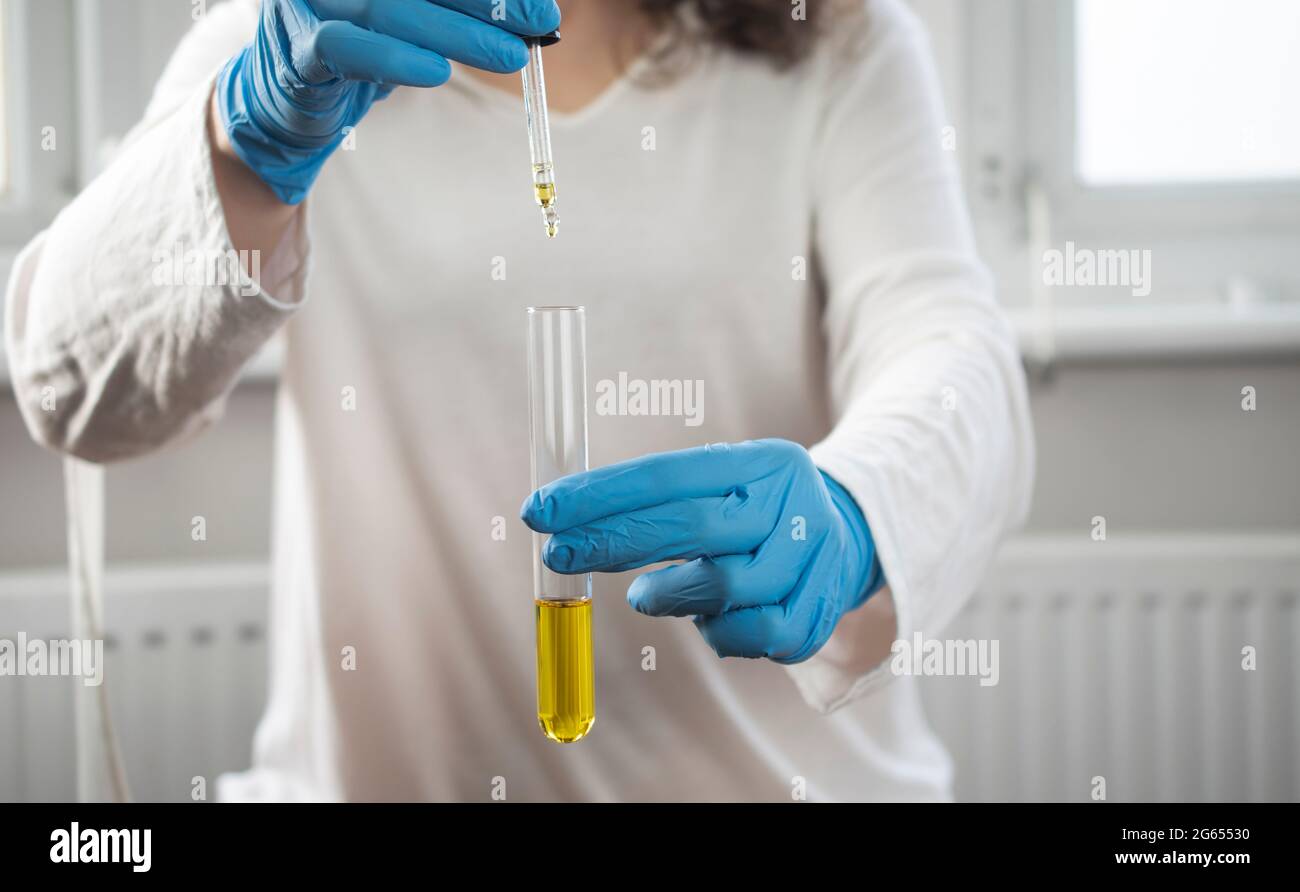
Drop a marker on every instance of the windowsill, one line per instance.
(1117, 333)
(1156, 331)
(1062, 334)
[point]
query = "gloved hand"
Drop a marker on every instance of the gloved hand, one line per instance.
(776, 552)
(316, 66)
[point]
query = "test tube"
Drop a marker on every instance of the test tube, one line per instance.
(557, 408)
(539, 131)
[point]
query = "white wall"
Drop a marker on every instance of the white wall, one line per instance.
(1155, 447)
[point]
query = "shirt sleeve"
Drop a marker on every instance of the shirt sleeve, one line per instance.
(128, 320)
(933, 438)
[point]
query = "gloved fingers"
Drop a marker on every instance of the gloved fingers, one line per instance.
(708, 586)
(531, 17)
(812, 615)
(764, 631)
(681, 530)
(430, 26)
(656, 479)
(345, 50)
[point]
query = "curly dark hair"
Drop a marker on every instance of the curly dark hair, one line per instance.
(767, 29)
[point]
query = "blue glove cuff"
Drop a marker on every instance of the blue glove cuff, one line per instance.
(865, 575)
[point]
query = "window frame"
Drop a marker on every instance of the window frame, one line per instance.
(40, 91)
(1224, 255)
(1130, 210)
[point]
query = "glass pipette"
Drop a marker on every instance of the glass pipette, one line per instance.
(539, 131)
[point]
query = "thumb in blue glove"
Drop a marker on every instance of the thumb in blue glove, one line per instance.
(775, 551)
(316, 66)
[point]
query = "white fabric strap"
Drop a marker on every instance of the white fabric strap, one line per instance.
(101, 776)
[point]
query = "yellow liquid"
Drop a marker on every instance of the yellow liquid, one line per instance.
(566, 682)
(545, 193)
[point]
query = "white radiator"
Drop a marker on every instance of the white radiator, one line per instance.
(1117, 659)
(1123, 660)
(186, 662)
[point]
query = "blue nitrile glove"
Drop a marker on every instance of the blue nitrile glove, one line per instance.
(315, 67)
(776, 552)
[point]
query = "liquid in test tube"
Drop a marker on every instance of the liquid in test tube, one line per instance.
(557, 408)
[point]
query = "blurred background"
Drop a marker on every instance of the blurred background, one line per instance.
(1169, 408)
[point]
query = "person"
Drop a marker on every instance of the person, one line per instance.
(754, 202)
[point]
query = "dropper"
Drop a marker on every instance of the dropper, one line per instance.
(539, 131)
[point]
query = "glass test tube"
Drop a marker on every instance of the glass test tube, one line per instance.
(539, 132)
(557, 408)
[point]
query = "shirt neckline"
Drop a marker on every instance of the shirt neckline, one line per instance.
(590, 110)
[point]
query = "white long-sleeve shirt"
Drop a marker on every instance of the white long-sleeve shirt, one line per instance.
(689, 214)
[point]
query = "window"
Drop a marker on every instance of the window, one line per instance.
(4, 111)
(1187, 91)
(73, 78)
(1150, 135)
(37, 115)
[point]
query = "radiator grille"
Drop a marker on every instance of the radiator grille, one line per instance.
(1124, 661)
(186, 662)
